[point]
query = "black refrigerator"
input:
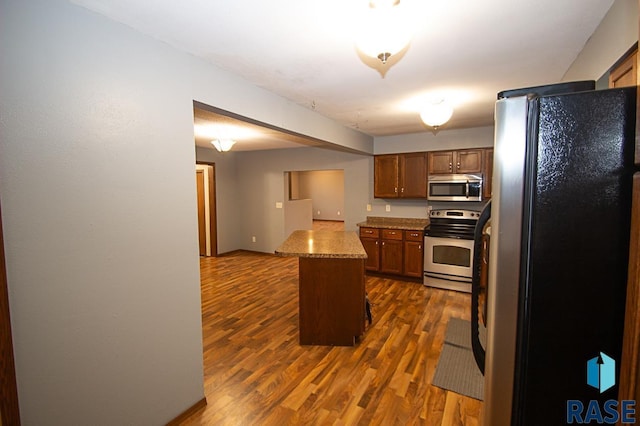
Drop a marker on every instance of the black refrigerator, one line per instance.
(560, 219)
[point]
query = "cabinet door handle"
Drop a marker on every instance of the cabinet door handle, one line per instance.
(402, 190)
(419, 246)
(395, 189)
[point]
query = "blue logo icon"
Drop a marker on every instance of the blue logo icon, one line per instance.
(601, 372)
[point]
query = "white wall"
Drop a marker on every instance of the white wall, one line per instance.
(476, 137)
(97, 187)
(617, 32)
(98, 204)
(261, 183)
(325, 188)
(297, 216)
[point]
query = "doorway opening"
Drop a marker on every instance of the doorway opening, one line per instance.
(315, 200)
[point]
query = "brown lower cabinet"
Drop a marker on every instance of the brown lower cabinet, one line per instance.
(393, 251)
(413, 254)
(370, 239)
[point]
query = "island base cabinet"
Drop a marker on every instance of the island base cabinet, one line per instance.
(331, 301)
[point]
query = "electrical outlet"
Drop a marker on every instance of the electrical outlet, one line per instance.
(253, 239)
(338, 212)
(318, 214)
(368, 207)
(388, 207)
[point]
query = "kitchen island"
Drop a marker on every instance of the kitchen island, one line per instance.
(331, 285)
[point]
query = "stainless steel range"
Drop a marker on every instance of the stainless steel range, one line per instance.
(448, 249)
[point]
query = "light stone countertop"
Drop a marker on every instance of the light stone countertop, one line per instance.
(323, 244)
(409, 224)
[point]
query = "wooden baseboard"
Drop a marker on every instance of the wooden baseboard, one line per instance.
(188, 412)
(240, 251)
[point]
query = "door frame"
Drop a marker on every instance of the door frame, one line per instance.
(202, 212)
(213, 230)
(9, 408)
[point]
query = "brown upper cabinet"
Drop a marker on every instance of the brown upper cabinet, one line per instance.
(625, 73)
(385, 176)
(461, 161)
(400, 175)
(488, 173)
(405, 175)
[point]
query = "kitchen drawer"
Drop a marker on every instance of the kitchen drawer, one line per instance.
(369, 232)
(413, 235)
(391, 234)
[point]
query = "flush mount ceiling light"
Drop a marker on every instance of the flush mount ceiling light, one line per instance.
(223, 145)
(384, 31)
(436, 113)
(383, 3)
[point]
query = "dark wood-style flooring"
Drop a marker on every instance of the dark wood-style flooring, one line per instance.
(256, 373)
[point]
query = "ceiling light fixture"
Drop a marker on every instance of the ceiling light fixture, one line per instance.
(223, 145)
(436, 113)
(383, 33)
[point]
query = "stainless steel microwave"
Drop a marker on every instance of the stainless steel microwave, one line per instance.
(455, 187)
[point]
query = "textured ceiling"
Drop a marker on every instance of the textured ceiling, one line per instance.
(304, 50)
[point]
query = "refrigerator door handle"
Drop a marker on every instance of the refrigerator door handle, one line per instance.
(476, 345)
